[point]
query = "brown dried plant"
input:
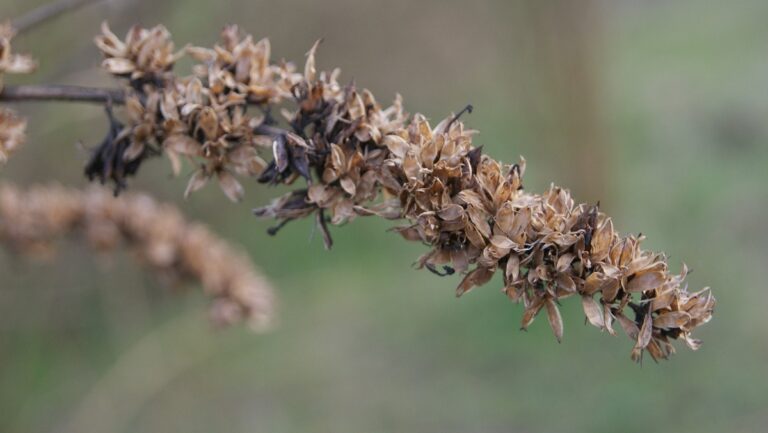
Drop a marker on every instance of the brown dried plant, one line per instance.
(359, 158)
(33, 220)
(12, 127)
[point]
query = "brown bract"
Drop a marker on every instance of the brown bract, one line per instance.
(33, 220)
(145, 55)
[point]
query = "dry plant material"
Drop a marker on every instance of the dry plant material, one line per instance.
(33, 220)
(202, 117)
(356, 157)
(12, 127)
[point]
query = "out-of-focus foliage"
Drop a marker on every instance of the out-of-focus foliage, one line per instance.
(34, 220)
(656, 109)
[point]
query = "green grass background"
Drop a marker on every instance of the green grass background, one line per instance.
(365, 343)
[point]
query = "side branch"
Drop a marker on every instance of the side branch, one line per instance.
(62, 93)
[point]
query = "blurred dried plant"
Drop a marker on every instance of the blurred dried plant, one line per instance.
(12, 127)
(359, 158)
(32, 220)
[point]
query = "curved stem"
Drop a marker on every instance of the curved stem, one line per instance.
(48, 11)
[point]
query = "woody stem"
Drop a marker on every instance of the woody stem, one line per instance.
(65, 93)
(97, 95)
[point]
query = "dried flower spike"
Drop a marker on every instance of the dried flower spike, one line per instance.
(359, 158)
(32, 220)
(473, 212)
(355, 157)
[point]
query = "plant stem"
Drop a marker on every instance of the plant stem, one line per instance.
(67, 93)
(62, 93)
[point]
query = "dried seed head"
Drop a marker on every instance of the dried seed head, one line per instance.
(475, 215)
(146, 56)
(32, 220)
(359, 158)
(201, 117)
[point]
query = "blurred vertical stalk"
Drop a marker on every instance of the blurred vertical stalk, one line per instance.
(140, 373)
(562, 43)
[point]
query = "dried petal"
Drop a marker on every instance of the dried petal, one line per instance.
(196, 182)
(396, 145)
(593, 311)
(231, 187)
(643, 338)
(555, 319)
(645, 281)
(477, 277)
(531, 311)
(672, 319)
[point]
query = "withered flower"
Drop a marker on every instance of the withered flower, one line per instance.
(203, 117)
(117, 156)
(146, 56)
(32, 220)
(240, 66)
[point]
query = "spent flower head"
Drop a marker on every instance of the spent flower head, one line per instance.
(145, 56)
(354, 157)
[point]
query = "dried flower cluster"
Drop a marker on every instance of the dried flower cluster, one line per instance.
(202, 116)
(473, 213)
(12, 127)
(359, 158)
(32, 220)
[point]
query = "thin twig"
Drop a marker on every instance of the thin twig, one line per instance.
(48, 11)
(98, 95)
(62, 93)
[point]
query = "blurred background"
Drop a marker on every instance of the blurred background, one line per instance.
(657, 109)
